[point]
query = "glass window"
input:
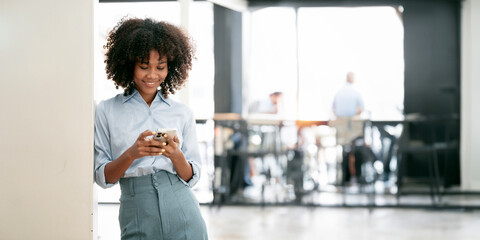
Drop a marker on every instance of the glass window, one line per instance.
(200, 85)
(331, 42)
(272, 57)
(367, 41)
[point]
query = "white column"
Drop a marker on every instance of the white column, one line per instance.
(237, 5)
(185, 5)
(46, 119)
(470, 97)
(246, 64)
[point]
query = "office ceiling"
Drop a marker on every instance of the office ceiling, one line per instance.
(242, 5)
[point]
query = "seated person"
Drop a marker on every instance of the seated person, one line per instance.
(272, 105)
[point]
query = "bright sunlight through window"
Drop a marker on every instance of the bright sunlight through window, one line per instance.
(331, 42)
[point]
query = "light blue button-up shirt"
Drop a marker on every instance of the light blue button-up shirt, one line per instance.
(120, 120)
(347, 101)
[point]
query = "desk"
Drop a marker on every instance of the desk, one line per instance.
(310, 123)
(237, 140)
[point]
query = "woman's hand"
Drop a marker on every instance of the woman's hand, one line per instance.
(144, 146)
(171, 149)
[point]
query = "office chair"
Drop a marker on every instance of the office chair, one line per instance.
(424, 137)
(350, 136)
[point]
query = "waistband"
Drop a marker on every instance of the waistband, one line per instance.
(135, 185)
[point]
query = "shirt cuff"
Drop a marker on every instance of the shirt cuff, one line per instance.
(100, 178)
(195, 177)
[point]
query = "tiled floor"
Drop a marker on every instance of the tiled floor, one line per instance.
(328, 223)
(411, 218)
(292, 222)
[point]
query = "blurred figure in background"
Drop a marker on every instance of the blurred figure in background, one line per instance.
(348, 102)
(347, 107)
(271, 105)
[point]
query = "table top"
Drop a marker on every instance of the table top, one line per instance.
(272, 119)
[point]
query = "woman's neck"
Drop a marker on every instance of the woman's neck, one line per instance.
(148, 98)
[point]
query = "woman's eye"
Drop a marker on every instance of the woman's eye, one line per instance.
(161, 68)
(143, 68)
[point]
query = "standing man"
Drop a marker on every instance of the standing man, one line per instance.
(348, 102)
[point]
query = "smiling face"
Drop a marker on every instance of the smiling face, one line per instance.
(148, 75)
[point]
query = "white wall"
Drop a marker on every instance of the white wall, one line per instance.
(46, 119)
(470, 97)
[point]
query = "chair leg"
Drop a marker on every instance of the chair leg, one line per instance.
(432, 179)
(344, 167)
(401, 169)
(437, 175)
(371, 195)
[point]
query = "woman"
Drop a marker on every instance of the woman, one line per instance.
(150, 60)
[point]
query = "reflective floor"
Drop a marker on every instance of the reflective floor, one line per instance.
(293, 222)
(378, 194)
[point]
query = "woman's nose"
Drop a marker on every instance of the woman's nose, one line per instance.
(152, 73)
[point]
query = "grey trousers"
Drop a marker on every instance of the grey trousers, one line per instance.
(159, 206)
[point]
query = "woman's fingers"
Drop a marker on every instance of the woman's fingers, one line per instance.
(151, 151)
(154, 143)
(171, 149)
(169, 140)
(145, 134)
(150, 147)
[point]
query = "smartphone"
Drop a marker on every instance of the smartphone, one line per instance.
(171, 132)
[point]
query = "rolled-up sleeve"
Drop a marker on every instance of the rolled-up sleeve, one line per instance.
(103, 153)
(190, 150)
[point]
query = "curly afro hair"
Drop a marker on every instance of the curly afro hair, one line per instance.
(131, 41)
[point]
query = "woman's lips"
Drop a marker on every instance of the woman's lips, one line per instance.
(150, 84)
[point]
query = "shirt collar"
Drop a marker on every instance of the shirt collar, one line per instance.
(159, 94)
(166, 100)
(128, 97)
